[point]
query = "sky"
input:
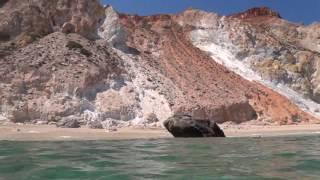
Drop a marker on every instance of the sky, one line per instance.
(299, 11)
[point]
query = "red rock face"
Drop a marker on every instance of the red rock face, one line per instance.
(151, 66)
(209, 89)
(258, 12)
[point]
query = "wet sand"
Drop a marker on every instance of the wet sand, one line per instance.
(48, 133)
(269, 130)
(14, 132)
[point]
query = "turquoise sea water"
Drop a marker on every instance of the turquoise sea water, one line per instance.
(230, 158)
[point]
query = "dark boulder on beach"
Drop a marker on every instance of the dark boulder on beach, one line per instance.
(186, 126)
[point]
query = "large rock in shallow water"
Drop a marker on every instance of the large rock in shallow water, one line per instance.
(186, 126)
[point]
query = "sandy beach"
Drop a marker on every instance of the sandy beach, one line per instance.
(17, 132)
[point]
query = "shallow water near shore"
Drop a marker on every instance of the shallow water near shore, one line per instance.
(229, 158)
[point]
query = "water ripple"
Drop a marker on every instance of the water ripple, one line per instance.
(232, 158)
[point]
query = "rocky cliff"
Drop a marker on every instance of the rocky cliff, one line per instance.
(78, 60)
(260, 46)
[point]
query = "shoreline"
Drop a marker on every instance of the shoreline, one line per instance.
(16, 132)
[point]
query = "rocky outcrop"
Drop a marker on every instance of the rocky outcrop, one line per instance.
(107, 124)
(61, 59)
(111, 30)
(203, 86)
(68, 28)
(25, 21)
(263, 48)
(66, 74)
(187, 126)
(53, 80)
(69, 122)
(258, 12)
(95, 124)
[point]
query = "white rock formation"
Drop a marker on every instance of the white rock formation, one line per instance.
(212, 35)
